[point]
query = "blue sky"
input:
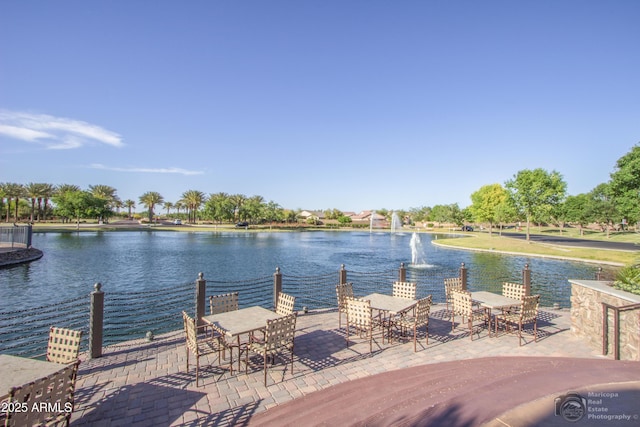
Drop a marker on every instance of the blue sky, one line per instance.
(351, 105)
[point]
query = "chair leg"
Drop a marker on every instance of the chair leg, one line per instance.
(264, 358)
(197, 368)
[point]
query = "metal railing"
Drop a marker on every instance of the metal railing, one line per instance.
(112, 317)
(16, 236)
(616, 327)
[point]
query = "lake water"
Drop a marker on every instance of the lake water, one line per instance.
(141, 260)
(148, 276)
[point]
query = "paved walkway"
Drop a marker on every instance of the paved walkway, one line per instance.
(146, 383)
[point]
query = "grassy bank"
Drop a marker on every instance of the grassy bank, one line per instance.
(484, 242)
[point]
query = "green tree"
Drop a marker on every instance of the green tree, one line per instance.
(535, 192)
(129, 204)
(625, 185)
(48, 190)
(33, 191)
(78, 204)
(253, 209)
(238, 201)
(219, 207)
(108, 194)
(604, 209)
(579, 210)
(150, 199)
(486, 202)
(13, 191)
(273, 212)
(447, 214)
(193, 199)
(168, 206)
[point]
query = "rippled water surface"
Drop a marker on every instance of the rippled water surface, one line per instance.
(135, 261)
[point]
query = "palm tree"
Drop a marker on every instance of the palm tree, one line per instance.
(150, 199)
(129, 204)
(48, 190)
(193, 199)
(168, 206)
(15, 191)
(33, 191)
(178, 205)
(107, 193)
(238, 200)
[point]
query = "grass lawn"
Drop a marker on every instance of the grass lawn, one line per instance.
(495, 242)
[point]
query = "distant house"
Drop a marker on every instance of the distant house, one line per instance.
(305, 215)
(368, 216)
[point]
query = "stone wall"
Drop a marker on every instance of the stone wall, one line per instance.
(587, 297)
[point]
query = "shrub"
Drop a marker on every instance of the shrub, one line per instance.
(628, 279)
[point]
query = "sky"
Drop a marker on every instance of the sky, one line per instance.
(352, 105)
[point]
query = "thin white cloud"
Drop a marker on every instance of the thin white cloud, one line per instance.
(55, 133)
(179, 171)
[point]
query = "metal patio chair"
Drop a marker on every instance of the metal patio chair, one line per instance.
(64, 345)
(463, 306)
(343, 291)
(279, 337)
(526, 313)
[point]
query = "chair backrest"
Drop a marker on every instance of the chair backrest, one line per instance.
(359, 312)
(52, 396)
(343, 290)
(462, 303)
(513, 290)
(285, 304)
(404, 290)
(529, 308)
(452, 284)
(280, 332)
(423, 307)
(223, 303)
(64, 345)
(190, 331)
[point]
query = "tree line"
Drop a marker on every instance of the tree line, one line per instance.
(534, 196)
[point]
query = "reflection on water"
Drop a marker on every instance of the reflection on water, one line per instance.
(144, 260)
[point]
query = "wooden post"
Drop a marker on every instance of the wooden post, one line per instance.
(201, 295)
(277, 286)
(526, 280)
(96, 321)
(402, 273)
(343, 275)
(463, 276)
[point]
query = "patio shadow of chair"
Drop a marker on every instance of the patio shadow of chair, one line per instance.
(164, 403)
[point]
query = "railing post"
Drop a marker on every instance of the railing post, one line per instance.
(277, 286)
(201, 295)
(29, 234)
(463, 276)
(96, 321)
(402, 273)
(526, 280)
(343, 275)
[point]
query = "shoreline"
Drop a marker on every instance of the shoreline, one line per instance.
(11, 257)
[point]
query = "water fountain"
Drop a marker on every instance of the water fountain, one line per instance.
(396, 223)
(417, 251)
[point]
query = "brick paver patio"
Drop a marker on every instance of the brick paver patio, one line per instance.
(146, 383)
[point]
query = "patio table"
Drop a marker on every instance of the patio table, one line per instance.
(390, 304)
(17, 371)
(235, 323)
(489, 300)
